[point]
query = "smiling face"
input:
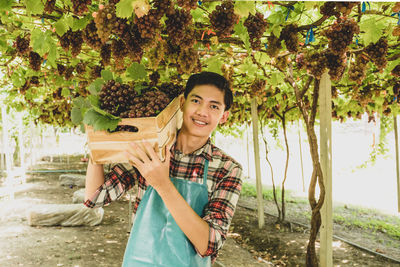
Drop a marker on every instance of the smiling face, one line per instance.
(203, 109)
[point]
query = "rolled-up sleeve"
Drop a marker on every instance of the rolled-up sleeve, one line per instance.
(118, 181)
(221, 207)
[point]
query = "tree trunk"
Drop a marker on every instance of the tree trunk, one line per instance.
(260, 202)
(301, 158)
(311, 259)
(286, 168)
(396, 140)
(317, 176)
(272, 173)
(283, 120)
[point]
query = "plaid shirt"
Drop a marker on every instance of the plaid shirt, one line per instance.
(223, 182)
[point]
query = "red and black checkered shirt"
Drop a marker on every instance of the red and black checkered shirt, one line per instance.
(223, 182)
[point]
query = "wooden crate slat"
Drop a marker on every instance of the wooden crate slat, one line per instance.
(159, 131)
(107, 152)
(103, 136)
(164, 117)
(143, 124)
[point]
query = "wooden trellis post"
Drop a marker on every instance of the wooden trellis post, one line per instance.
(2, 158)
(260, 204)
(396, 139)
(7, 152)
(21, 141)
(247, 148)
(301, 157)
(325, 108)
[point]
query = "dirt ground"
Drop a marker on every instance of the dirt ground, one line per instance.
(103, 245)
(281, 246)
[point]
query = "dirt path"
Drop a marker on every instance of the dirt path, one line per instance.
(372, 240)
(287, 247)
(103, 245)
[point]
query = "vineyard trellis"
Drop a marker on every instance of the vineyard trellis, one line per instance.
(56, 56)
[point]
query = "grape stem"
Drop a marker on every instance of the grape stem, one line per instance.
(10, 60)
(205, 10)
(375, 12)
(46, 16)
(259, 65)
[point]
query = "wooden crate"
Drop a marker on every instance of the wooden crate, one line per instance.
(160, 131)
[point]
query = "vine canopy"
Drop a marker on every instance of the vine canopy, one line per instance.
(57, 55)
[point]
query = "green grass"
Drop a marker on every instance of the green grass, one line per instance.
(368, 219)
(249, 190)
(351, 216)
(374, 225)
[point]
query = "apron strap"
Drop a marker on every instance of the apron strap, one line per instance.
(205, 173)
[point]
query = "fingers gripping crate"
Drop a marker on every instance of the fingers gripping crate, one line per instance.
(160, 131)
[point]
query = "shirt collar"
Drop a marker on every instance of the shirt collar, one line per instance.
(204, 151)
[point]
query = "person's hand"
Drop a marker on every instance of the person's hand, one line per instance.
(149, 164)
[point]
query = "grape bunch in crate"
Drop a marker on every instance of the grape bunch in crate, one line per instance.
(122, 100)
(147, 111)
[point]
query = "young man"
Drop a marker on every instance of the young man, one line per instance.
(186, 202)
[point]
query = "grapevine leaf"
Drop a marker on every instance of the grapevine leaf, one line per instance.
(197, 14)
(68, 3)
(52, 56)
(17, 79)
(104, 113)
(311, 5)
(36, 112)
(69, 20)
(214, 64)
(79, 24)
(76, 115)
(392, 65)
(106, 75)
(94, 101)
(29, 95)
(3, 44)
(271, 102)
(34, 7)
(65, 92)
(371, 30)
(276, 30)
(19, 107)
(277, 17)
(61, 27)
(60, 81)
(241, 31)
(81, 102)
(276, 78)
(106, 124)
(95, 87)
(6, 4)
(244, 8)
(124, 8)
(261, 57)
(118, 80)
(95, 105)
(210, 6)
(248, 67)
(40, 41)
(99, 121)
(75, 61)
(136, 71)
(139, 87)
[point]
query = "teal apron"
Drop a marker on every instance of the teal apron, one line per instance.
(156, 239)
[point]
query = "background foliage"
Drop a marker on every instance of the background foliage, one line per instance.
(292, 34)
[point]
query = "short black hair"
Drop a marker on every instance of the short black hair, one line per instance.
(211, 78)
